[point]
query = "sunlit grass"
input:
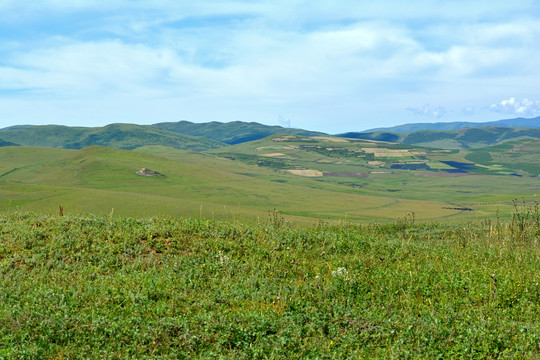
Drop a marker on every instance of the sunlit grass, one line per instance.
(96, 287)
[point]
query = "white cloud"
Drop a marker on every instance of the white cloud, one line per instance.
(512, 106)
(83, 68)
(429, 110)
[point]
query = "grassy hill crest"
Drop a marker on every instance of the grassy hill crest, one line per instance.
(231, 133)
(515, 122)
(465, 138)
(121, 136)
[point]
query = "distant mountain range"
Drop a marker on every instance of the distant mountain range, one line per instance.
(517, 122)
(231, 133)
(181, 135)
(465, 138)
(120, 136)
(206, 136)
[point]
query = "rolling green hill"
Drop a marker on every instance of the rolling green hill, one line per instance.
(466, 138)
(7, 143)
(102, 180)
(305, 178)
(355, 156)
(521, 156)
(121, 136)
(206, 136)
(517, 122)
(232, 132)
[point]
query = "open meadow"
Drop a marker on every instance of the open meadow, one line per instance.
(99, 287)
(306, 179)
(285, 247)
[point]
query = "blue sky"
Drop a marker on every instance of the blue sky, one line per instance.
(328, 65)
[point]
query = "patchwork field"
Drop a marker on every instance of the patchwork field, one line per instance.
(454, 177)
(307, 179)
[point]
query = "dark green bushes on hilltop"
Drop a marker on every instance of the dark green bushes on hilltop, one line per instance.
(94, 287)
(426, 136)
(120, 136)
(466, 138)
(231, 133)
(7, 143)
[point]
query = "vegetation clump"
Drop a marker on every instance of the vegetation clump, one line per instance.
(96, 287)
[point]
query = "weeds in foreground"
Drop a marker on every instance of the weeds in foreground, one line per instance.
(276, 219)
(526, 218)
(96, 287)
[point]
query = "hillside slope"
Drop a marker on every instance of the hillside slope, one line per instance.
(120, 136)
(466, 138)
(517, 122)
(7, 143)
(232, 132)
(99, 179)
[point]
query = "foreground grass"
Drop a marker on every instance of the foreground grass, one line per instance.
(84, 286)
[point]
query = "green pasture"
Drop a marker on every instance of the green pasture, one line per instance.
(103, 287)
(222, 184)
(102, 180)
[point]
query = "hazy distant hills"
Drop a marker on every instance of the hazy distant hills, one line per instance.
(7, 143)
(120, 136)
(231, 133)
(206, 136)
(517, 122)
(465, 138)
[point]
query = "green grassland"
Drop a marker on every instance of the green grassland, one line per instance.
(103, 180)
(519, 156)
(163, 288)
(283, 247)
(306, 178)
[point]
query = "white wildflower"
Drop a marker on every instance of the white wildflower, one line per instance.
(341, 273)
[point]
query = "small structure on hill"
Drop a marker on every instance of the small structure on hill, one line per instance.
(147, 172)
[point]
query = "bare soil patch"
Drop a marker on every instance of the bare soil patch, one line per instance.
(308, 173)
(382, 152)
(340, 174)
(332, 139)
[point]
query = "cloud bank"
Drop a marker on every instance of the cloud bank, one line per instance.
(329, 65)
(512, 106)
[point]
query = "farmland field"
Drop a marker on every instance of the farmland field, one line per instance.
(306, 179)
